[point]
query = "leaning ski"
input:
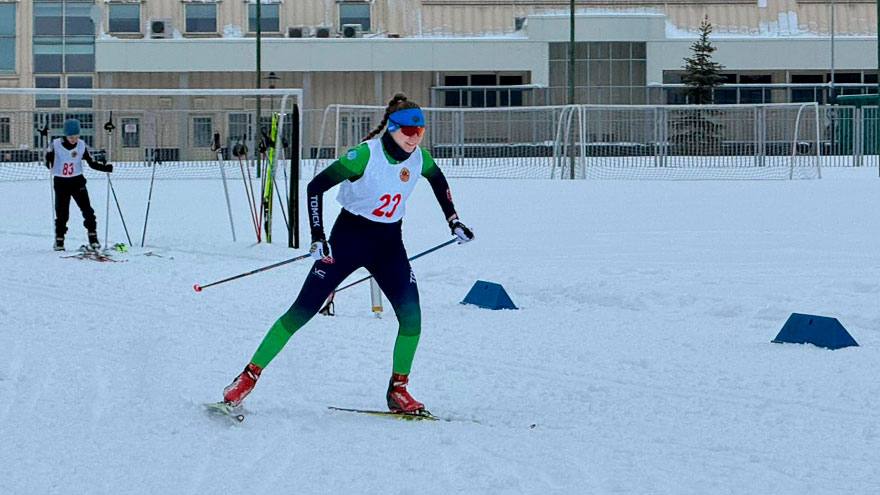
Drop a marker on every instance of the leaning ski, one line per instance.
(223, 409)
(269, 177)
(422, 415)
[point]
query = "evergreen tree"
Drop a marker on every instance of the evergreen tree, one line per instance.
(699, 131)
(701, 73)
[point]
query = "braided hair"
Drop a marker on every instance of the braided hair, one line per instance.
(399, 102)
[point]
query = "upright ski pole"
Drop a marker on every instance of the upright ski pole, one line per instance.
(119, 209)
(198, 288)
(240, 151)
(108, 126)
(216, 149)
(149, 199)
(44, 134)
(327, 310)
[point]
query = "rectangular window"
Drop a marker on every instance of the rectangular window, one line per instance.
(269, 18)
(48, 54)
(201, 18)
(124, 18)
(355, 13)
(755, 95)
(131, 133)
(240, 127)
(5, 130)
(48, 19)
(79, 101)
(203, 129)
(483, 97)
(48, 100)
(78, 20)
(510, 97)
(7, 37)
(455, 98)
(79, 54)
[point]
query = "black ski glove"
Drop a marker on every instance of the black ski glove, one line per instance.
(461, 231)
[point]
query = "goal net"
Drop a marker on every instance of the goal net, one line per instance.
(159, 140)
(777, 141)
(479, 143)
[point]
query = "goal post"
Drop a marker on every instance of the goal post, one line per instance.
(166, 135)
(673, 142)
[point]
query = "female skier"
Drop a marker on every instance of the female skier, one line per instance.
(377, 177)
(64, 158)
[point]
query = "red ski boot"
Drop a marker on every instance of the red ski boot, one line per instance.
(236, 391)
(399, 400)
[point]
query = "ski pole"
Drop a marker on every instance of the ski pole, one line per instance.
(149, 199)
(198, 288)
(219, 152)
(44, 134)
(328, 306)
(119, 209)
(108, 126)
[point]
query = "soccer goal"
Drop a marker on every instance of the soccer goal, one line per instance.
(509, 142)
(182, 157)
(775, 141)
(689, 142)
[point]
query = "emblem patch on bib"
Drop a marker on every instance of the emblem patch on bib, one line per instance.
(404, 174)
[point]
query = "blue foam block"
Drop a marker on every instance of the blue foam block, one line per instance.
(489, 295)
(821, 331)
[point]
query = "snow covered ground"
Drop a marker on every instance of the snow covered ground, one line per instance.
(641, 352)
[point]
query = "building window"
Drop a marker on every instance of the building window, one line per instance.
(201, 18)
(7, 37)
(355, 13)
(78, 19)
(269, 18)
(455, 98)
(5, 130)
(131, 133)
(64, 37)
(79, 101)
(48, 55)
(124, 18)
(240, 127)
(48, 19)
(202, 132)
(485, 95)
(48, 100)
(79, 54)
(605, 72)
(510, 97)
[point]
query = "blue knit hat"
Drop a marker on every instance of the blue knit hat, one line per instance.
(71, 127)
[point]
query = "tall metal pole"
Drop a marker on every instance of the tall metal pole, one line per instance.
(571, 38)
(571, 54)
(258, 86)
(833, 95)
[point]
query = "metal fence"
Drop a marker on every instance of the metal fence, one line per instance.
(595, 141)
(171, 129)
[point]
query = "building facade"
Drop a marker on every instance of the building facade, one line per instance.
(443, 53)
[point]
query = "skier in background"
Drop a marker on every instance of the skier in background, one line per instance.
(377, 177)
(64, 158)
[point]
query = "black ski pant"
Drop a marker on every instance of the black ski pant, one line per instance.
(72, 187)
